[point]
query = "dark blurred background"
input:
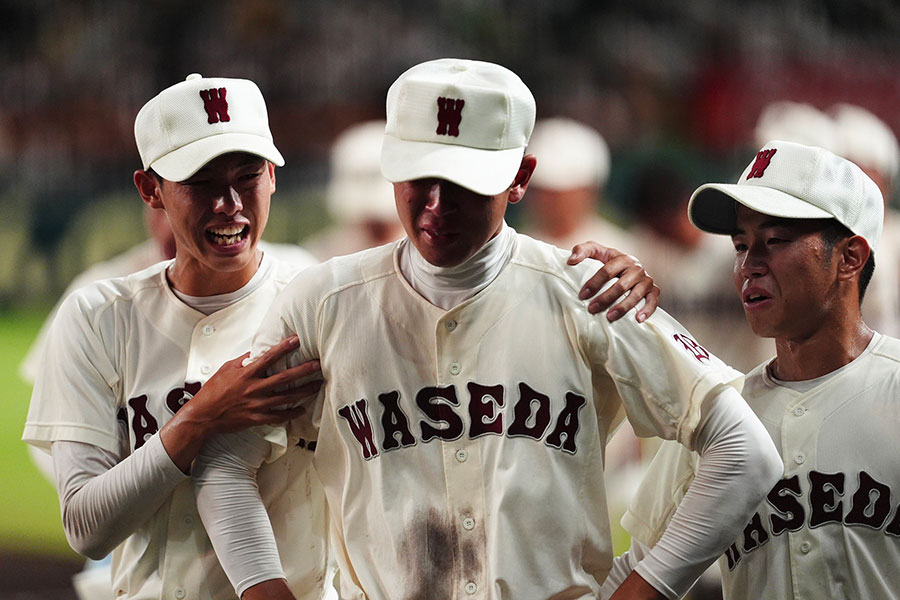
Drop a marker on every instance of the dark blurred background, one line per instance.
(648, 74)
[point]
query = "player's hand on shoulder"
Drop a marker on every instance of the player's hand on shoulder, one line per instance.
(239, 396)
(632, 278)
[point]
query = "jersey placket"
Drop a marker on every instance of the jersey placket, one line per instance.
(185, 529)
(798, 443)
(463, 465)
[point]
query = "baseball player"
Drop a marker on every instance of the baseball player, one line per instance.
(806, 226)
(136, 372)
(469, 393)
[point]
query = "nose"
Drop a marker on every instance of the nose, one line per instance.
(439, 197)
(228, 203)
(751, 264)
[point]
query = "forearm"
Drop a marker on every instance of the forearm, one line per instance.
(738, 466)
(233, 513)
(105, 500)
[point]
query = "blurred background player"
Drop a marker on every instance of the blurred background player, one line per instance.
(867, 141)
(566, 191)
(359, 199)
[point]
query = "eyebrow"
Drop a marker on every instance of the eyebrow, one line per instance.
(776, 222)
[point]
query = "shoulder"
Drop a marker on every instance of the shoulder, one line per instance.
(343, 272)
(546, 261)
(291, 255)
(887, 348)
(97, 295)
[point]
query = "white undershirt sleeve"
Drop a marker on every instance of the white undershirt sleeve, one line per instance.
(622, 567)
(105, 498)
(739, 464)
(232, 511)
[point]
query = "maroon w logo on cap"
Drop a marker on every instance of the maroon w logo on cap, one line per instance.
(215, 105)
(761, 163)
(449, 116)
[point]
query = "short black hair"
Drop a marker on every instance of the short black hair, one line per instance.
(832, 233)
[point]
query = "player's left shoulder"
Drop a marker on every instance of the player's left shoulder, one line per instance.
(290, 255)
(547, 260)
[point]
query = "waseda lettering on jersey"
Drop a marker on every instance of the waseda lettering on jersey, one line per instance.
(823, 501)
(449, 115)
(143, 423)
(763, 157)
(444, 415)
(215, 105)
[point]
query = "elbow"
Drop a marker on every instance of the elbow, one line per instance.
(89, 547)
(766, 466)
(88, 541)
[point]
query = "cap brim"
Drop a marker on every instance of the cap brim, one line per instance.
(712, 205)
(180, 164)
(485, 172)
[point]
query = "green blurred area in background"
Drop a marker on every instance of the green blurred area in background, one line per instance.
(29, 510)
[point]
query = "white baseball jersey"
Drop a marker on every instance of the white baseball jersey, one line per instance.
(462, 450)
(831, 527)
(128, 351)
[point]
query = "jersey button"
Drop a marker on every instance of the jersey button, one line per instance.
(205, 369)
(800, 459)
(188, 520)
(450, 325)
(455, 368)
(462, 455)
(471, 588)
(179, 593)
(468, 523)
(805, 547)
(799, 411)
(208, 329)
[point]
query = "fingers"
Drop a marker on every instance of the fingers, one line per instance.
(591, 249)
(652, 303)
(279, 350)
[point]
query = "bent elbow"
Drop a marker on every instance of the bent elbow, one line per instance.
(88, 546)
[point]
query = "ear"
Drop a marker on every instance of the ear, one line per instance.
(149, 187)
(854, 252)
(523, 177)
(271, 174)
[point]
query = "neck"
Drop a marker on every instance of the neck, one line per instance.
(195, 279)
(825, 351)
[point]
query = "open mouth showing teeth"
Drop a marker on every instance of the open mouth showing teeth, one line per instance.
(755, 298)
(225, 236)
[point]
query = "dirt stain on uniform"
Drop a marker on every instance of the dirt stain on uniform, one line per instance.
(438, 555)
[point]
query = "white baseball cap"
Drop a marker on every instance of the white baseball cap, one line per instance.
(190, 123)
(356, 188)
(466, 121)
(866, 140)
(794, 181)
(570, 155)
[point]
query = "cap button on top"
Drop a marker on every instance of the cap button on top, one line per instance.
(193, 76)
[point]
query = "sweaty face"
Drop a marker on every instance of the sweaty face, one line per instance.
(217, 217)
(445, 222)
(783, 273)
